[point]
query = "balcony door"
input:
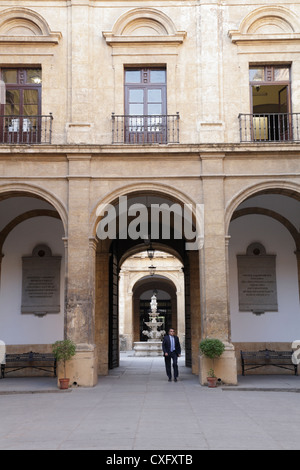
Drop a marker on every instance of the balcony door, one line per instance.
(145, 106)
(20, 115)
(271, 103)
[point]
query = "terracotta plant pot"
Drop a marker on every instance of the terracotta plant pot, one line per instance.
(212, 382)
(64, 384)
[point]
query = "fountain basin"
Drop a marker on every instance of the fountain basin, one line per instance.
(150, 348)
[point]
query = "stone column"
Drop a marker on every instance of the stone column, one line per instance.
(195, 309)
(80, 285)
(102, 310)
(128, 317)
(214, 278)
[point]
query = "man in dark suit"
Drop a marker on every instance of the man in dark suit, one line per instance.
(172, 350)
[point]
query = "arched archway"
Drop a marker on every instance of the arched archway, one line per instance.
(268, 215)
(136, 288)
(110, 253)
(32, 292)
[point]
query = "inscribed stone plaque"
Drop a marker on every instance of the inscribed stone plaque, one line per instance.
(41, 282)
(257, 280)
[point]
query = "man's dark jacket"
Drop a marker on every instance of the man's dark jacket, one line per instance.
(166, 345)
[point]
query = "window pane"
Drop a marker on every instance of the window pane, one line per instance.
(133, 76)
(10, 75)
(157, 76)
(34, 76)
(256, 74)
(154, 96)
(30, 110)
(136, 109)
(31, 96)
(12, 102)
(154, 109)
(136, 96)
(281, 73)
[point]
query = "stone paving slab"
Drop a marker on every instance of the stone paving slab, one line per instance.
(134, 408)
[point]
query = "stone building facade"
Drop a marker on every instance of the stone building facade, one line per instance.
(189, 103)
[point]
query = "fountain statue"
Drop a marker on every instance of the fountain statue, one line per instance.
(153, 324)
(153, 346)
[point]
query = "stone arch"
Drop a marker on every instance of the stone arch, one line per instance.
(21, 218)
(283, 188)
(34, 191)
(110, 251)
(274, 215)
(274, 187)
(157, 246)
(140, 276)
(135, 189)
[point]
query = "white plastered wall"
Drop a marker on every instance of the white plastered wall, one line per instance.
(17, 328)
(281, 326)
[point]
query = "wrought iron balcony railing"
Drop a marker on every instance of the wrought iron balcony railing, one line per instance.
(270, 127)
(145, 129)
(26, 129)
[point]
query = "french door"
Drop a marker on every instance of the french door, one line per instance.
(20, 115)
(271, 103)
(145, 106)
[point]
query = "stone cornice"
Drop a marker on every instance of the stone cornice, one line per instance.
(90, 150)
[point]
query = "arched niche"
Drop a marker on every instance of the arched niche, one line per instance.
(269, 23)
(23, 25)
(144, 25)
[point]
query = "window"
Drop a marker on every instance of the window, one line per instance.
(271, 102)
(21, 114)
(145, 105)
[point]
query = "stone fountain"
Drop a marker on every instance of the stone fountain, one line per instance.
(153, 346)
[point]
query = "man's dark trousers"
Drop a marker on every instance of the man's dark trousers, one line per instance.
(171, 356)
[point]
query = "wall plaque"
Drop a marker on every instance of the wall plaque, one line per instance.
(41, 282)
(257, 280)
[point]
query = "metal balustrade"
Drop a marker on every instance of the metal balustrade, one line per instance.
(270, 127)
(26, 129)
(145, 129)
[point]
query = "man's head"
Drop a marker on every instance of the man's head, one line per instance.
(171, 331)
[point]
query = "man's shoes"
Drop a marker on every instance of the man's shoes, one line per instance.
(170, 380)
(175, 380)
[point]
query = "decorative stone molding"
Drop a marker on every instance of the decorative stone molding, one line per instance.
(144, 25)
(271, 23)
(24, 26)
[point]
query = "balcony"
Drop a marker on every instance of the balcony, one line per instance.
(145, 129)
(28, 130)
(270, 127)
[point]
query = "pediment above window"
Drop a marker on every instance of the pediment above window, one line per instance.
(21, 25)
(144, 25)
(271, 24)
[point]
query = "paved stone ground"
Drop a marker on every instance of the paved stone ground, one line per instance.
(135, 408)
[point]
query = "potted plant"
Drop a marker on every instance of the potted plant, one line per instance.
(63, 351)
(211, 348)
